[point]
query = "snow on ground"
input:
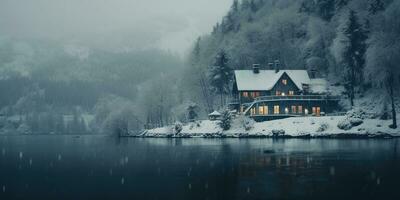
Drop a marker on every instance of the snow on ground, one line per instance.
(295, 127)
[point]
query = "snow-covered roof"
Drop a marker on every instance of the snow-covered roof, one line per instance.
(215, 113)
(266, 79)
(318, 85)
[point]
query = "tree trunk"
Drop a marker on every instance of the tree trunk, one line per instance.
(352, 85)
(352, 97)
(222, 100)
(394, 125)
(205, 92)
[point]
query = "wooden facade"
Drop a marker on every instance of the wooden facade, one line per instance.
(284, 99)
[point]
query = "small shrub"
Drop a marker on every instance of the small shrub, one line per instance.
(322, 127)
(358, 113)
(344, 125)
(356, 121)
(246, 122)
(177, 128)
(278, 133)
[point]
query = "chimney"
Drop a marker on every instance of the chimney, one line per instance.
(256, 68)
(271, 66)
(277, 66)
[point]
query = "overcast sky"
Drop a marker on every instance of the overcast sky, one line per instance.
(167, 24)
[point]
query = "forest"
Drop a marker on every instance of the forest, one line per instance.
(48, 87)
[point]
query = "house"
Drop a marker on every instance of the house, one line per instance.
(274, 94)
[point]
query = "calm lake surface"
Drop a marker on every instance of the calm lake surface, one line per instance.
(100, 167)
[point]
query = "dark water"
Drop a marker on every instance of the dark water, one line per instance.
(97, 167)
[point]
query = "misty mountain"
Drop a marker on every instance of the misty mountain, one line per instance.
(77, 75)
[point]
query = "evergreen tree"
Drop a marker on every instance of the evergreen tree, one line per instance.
(325, 9)
(196, 52)
(253, 6)
(226, 119)
(192, 112)
(352, 48)
(245, 5)
(307, 6)
(235, 6)
(375, 6)
(221, 75)
(383, 55)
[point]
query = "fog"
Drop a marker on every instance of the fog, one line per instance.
(139, 24)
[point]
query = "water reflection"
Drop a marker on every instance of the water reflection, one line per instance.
(93, 167)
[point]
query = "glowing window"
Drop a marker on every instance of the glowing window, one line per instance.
(284, 81)
(294, 108)
(291, 92)
(245, 94)
(276, 109)
(263, 110)
(278, 93)
(300, 109)
(316, 111)
(253, 111)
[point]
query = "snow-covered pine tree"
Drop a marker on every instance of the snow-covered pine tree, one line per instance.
(349, 49)
(375, 6)
(253, 6)
(195, 57)
(245, 5)
(235, 6)
(383, 54)
(192, 114)
(221, 74)
(226, 119)
(325, 9)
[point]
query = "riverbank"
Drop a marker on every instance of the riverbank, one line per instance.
(300, 127)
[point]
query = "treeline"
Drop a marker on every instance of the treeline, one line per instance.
(43, 84)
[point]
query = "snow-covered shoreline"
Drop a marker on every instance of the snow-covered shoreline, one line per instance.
(300, 127)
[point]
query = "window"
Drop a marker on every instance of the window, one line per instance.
(255, 94)
(300, 109)
(284, 81)
(316, 111)
(253, 111)
(276, 109)
(245, 94)
(260, 110)
(291, 92)
(294, 109)
(278, 93)
(263, 110)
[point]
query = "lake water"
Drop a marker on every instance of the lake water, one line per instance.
(99, 167)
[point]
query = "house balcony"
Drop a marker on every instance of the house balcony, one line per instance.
(297, 98)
